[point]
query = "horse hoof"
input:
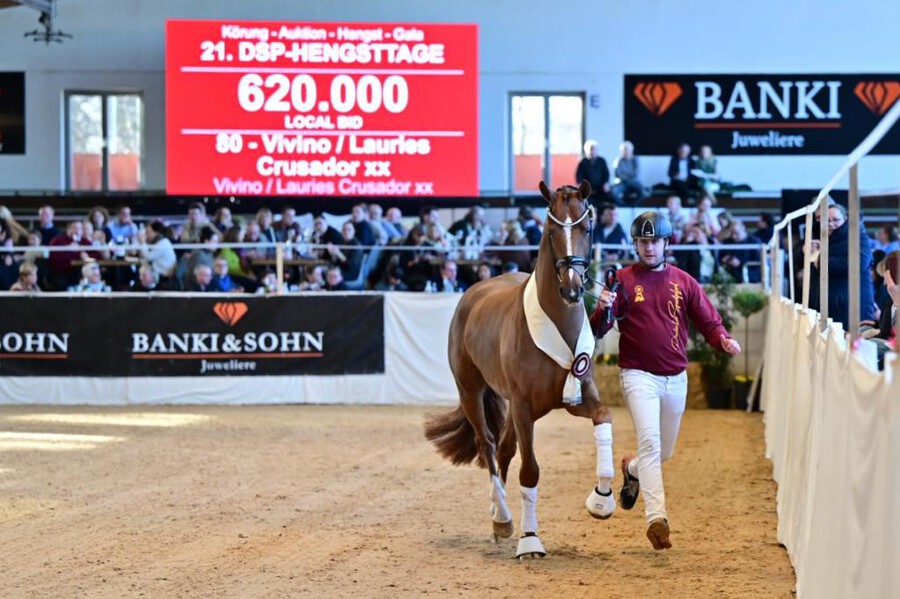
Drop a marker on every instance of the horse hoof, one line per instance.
(502, 530)
(600, 506)
(530, 547)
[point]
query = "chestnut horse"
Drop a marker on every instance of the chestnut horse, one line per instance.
(495, 360)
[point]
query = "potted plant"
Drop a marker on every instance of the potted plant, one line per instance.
(715, 365)
(747, 303)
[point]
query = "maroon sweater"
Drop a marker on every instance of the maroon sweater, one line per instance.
(654, 308)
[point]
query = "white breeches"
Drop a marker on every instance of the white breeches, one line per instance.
(656, 404)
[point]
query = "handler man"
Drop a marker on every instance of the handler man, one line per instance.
(652, 308)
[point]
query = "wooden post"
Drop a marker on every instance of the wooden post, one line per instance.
(279, 267)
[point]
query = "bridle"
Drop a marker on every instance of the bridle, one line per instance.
(573, 262)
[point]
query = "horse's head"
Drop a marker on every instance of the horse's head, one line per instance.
(569, 229)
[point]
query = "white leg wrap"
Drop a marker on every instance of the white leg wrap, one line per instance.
(529, 509)
(605, 470)
(499, 509)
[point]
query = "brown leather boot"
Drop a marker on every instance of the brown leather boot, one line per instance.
(658, 533)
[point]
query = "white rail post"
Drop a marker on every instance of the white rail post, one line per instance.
(853, 252)
(823, 263)
(790, 246)
(807, 262)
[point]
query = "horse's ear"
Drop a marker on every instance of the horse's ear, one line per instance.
(545, 191)
(584, 190)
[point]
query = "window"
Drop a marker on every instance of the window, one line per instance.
(547, 138)
(104, 138)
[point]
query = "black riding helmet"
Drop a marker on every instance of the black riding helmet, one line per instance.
(651, 224)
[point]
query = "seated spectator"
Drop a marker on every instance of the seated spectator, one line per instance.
(98, 216)
(392, 224)
(699, 263)
(703, 217)
(680, 178)
(627, 186)
(98, 238)
(472, 229)
(268, 283)
(349, 260)
(436, 237)
(267, 232)
(593, 169)
(392, 277)
(63, 273)
(313, 279)
(414, 265)
(223, 279)
(288, 229)
(734, 260)
(511, 234)
(484, 272)
(122, 229)
(323, 234)
(765, 227)
(28, 279)
(449, 282)
(610, 231)
(33, 239)
(46, 228)
(888, 239)
(367, 234)
(334, 280)
(232, 255)
(876, 274)
(147, 280)
(428, 214)
(196, 220)
(726, 222)
(157, 251)
(251, 255)
(890, 305)
(706, 171)
(40, 258)
(222, 219)
(533, 228)
(209, 237)
(678, 217)
(91, 280)
(202, 280)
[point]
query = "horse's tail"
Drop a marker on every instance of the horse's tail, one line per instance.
(454, 435)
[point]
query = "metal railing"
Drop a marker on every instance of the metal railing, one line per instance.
(773, 248)
(284, 252)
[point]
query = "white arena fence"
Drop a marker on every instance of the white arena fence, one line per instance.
(832, 429)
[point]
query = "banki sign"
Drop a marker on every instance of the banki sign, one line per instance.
(759, 114)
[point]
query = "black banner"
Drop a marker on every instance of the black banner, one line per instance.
(759, 114)
(12, 113)
(190, 336)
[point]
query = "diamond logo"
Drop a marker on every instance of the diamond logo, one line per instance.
(230, 312)
(657, 96)
(878, 96)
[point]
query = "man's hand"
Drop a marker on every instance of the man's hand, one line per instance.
(606, 298)
(731, 346)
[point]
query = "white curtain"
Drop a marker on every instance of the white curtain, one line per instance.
(833, 435)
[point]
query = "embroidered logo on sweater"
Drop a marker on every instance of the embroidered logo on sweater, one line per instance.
(674, 309)
(638, 293)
